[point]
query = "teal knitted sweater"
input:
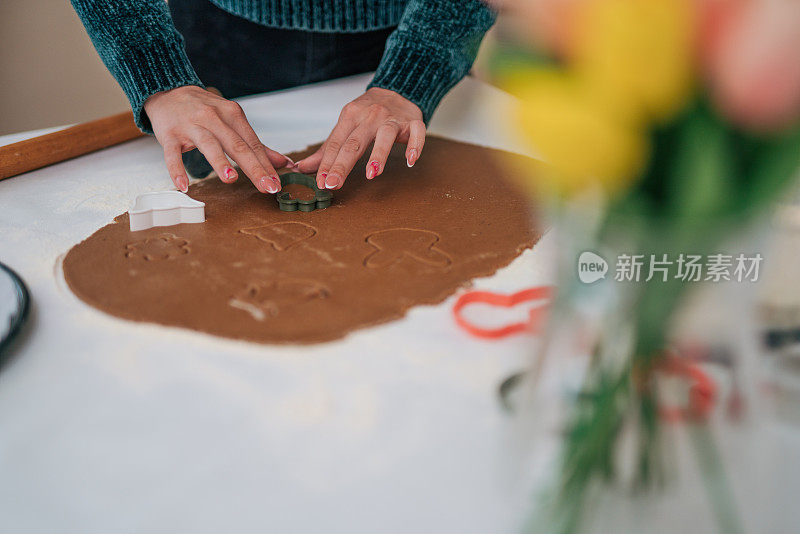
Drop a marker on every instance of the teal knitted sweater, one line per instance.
(432, 48)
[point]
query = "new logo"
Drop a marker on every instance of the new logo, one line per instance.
(591, 267)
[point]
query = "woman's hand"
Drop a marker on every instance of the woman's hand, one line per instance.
(380, 115)
(190, 117)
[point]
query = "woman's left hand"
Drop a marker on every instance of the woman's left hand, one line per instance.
(378, 115)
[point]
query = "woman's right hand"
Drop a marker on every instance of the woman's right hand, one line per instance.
(191, 117)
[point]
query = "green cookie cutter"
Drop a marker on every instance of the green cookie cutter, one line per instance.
(322, 197)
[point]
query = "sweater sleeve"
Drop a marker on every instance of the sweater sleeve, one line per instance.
(432, 49)
(140, 47)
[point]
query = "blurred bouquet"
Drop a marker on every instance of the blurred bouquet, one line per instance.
(680, 119)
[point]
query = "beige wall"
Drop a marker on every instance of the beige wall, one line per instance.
(49, 72)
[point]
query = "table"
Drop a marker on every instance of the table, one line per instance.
(113, 426)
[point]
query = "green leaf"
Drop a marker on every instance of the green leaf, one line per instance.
(703, 171)
(776, 166)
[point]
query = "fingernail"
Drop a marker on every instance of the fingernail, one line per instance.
(411, 157)
(373, 169)
(277, 182)
(270, 186)
(291, 162)
(264, 185)
(230, 175)
(183, 183)
(331, 182)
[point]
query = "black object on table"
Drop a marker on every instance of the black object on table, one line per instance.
(14, 307)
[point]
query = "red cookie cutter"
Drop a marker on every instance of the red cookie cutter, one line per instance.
(702, 391)
(535, 317)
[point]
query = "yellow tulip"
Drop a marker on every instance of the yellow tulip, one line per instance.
(636, 55)
(583, 142)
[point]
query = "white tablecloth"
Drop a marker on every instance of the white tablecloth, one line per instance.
(114, 426)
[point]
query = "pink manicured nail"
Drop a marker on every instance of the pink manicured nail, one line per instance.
(372, 171)
(291, 162)
(331, 182)
(270, 186)
(265, 184)
(277, 182)
(411, 157)
(183, 183)
(230, 175)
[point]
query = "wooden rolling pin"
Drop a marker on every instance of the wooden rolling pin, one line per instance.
(65, 144)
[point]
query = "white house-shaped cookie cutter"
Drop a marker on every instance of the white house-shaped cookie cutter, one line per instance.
(165, 208)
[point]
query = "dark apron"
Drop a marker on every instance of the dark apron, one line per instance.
(240, 57)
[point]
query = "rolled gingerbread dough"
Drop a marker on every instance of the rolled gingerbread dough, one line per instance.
(253, 272)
